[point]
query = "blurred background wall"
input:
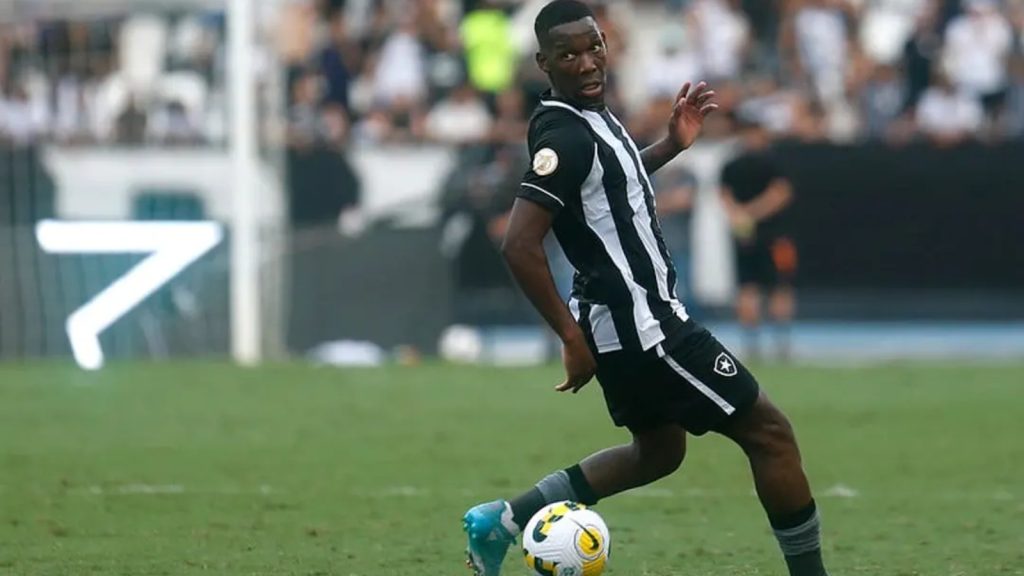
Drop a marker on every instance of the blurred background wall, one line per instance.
(391, 142)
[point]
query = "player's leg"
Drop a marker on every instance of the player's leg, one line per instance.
(767, 437)
(654, 453)
(656, 450)
(717, 392)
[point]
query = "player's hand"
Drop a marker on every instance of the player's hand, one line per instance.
(692, 105)
(580, 365)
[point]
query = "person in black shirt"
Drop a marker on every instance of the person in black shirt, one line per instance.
(756, 193)
(663, 376)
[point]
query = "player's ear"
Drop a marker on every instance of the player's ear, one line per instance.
(542, 61)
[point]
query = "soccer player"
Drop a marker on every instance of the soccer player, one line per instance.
(663, 376)
(756, 194)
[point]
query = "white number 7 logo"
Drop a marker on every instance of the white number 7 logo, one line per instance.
(173, 246)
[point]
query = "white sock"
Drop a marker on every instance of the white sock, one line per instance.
(506, 520)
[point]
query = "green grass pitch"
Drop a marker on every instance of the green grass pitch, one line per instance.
(184, 469)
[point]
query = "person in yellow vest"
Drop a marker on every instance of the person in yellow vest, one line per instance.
(490, 51)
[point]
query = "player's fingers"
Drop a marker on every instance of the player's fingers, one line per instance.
(705, 97)
(691, 98)
(708, 108)
(567, 385)
(678, 107)
(584, 381)
(682, 92)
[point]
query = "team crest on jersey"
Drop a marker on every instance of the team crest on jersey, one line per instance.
(545, 162)
(725, 366)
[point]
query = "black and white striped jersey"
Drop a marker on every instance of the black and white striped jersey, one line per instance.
(588, 172)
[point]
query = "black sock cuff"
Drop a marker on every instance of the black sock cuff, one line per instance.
(524, 507)
(580, 485)
(793, 519)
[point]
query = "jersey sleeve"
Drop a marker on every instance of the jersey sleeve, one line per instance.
(562, 155)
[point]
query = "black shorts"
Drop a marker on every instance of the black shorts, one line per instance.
(696, 383)
(767, 263)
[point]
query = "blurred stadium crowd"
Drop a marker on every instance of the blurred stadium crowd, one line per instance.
(460, 71)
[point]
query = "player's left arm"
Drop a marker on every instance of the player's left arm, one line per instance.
(691, 107)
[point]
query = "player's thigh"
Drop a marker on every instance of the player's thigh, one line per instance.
(764, 428)
(709, 385)
(635, 392)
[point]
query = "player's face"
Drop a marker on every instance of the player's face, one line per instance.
(575, 61)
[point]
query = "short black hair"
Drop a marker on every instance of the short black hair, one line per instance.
(557, 13)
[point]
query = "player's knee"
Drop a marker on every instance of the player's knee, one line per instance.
(662, 453)
(775, 434)
(768, 432)
(667, 462)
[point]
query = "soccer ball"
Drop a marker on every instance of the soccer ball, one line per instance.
(566, 539)
(462, 344)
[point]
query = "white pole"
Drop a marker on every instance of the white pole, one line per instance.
(245, 291)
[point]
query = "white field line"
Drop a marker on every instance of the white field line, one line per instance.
(840, 491)
(837, 491)
(170, 489)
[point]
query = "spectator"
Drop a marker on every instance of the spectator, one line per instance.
(675, 62)
(461, 118)
(921, 54)
(303, 113)
(490, 51)
(756, 194)
(1012, 120)
(882, 99)
(763, 16)
(22, 119)
(947, 116)
(438, 31)
(721, 37)
(776, 109)
(978, 45)
(337, 61)
(386, 64)
(510, 124)
(820, 40)
(172, 125)
(399, 75)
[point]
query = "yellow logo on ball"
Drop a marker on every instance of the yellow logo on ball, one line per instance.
(589, 542)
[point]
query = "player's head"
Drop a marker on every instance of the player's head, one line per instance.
(572, 51)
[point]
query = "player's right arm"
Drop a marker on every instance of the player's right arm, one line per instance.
(563, 153)
(523, 250)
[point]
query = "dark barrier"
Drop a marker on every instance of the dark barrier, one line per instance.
(26, 189)
(390, 287)
(877, 217)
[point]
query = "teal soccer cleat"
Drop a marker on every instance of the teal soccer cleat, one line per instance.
(488, 538)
